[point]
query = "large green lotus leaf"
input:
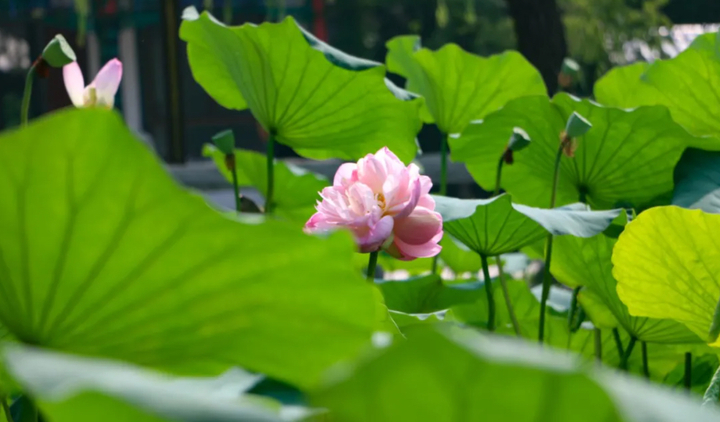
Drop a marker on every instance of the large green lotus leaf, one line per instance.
(458, 257)
(433, 377)
(495, 226)
(458, 86)
(587, 262)
(626, 159)
(439, 376)
(73, 388)
(296, 190)
(688, 85)
(597, 312)
(427, 294)
(697, 181)
(318, 101)
(667, 263)
(104, 254)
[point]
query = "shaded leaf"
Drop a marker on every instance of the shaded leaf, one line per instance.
(626, 159)
(427, 294)
(458, 86)
(458, 257)
(666, 263)
(110, 257)
(495, 226)
(697, 181)
(314, 99)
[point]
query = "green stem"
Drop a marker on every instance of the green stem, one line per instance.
(598, 344)
(573, 310)
(688, 370)
(547, 278)
(236, 188)
(624, 360)
(618, 343)
(443, 164)
(270, 173)
(372, 264)
(646, 367)
(498, 176)
(489, 293)
(712, 394)
(506, 295)
(27, 93)
(6, 409)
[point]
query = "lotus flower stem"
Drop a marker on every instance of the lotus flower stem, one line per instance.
(572, 324)
(618, 342)
(547, 278)
(372, 265)
(646, 367)
(443, 164)
(489, 293)
(712, 394)
(270, 173)
(27, 93)
(688, 370)
(6, 409)
(506, 295)
(498, 176)
(626, 356)
(598, 344)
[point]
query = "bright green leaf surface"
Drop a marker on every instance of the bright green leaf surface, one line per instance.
(68, 387)
(459, 87)
(427, 294)
(318, 101)
(667, 263)
(104, 254)
(697, 181)
(431, 377)
(495, 226)
(296, 190)
(597, 312)
(587, 262)
(688, 85)
(627, 158)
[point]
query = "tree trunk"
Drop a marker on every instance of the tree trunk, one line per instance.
(540, 36)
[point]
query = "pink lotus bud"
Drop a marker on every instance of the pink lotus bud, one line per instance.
(101, 91)
(385, 204)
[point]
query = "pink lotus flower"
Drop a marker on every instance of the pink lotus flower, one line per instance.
(385, 204)
(101, 91)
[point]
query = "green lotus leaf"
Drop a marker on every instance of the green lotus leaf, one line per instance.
(296, 189)
(703, 368)
(697, 181)
(587, 262)
(421, 295)
(495, 226)
(103, 254)
(458, 257)
(688, 85)
(597, 312)
(458, 86)
(405, 320)
(626, 159)
(314, 99)
(666, 264)
(73, 388)
(439, 375)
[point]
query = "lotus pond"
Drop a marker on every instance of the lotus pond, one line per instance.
(586, 287)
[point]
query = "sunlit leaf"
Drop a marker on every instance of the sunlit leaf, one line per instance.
(495, 226)
(296, 190)
(72, 388)
(688, 85)
(587, 262)
(458, 86)
(666, 263)
(319, 101)
(103, 254)
(626, 159)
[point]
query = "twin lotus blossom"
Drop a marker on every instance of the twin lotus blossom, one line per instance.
(385, 204)
(100, 92)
